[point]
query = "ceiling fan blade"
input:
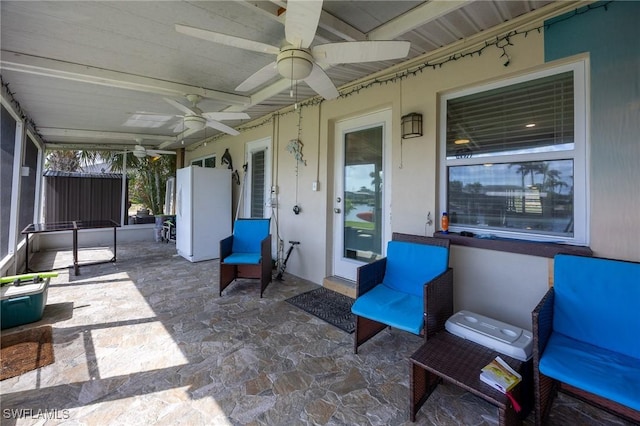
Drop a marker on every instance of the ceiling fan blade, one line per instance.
(351, 52)
(227, 40)
(153, 114)
(222, 127)
(222, 115)
(259, 77)
(181, 107)
(301, 21)
(179, 127)
(320, 82)
(154, 152)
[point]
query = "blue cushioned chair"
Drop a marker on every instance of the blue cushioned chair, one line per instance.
(246, 253)
(410, 289)
(586, 338)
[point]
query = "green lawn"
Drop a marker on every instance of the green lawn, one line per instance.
(360, 225)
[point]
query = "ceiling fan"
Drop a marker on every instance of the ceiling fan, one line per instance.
(141, 152)
(296, 60)
(194, 119)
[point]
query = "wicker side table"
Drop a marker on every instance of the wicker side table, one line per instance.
(456, 360)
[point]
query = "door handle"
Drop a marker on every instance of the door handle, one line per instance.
(336, 210)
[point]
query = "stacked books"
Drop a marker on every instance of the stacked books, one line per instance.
(500, 376)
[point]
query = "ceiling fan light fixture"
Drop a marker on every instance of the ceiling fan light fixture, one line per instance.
(294, 64)
(193, 122)
(139, 150)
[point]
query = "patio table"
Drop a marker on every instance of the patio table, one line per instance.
(74, 226)
(459, 361)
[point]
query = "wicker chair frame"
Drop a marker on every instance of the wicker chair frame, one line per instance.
(546, 388)
(230, 271)
(438, 293)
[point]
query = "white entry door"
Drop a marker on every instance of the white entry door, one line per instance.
(361, 197)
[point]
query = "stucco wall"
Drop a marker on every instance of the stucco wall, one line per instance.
(612, 38)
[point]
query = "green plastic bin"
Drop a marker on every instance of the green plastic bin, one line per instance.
(22, 304)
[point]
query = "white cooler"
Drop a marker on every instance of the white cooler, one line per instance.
(493, 334)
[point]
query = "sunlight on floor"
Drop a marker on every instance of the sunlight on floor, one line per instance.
(163, 407)
(111, 298)
(130, 349)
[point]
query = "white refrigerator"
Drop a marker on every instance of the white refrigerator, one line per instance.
(203, 211)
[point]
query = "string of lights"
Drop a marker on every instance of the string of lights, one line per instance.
(18, 108)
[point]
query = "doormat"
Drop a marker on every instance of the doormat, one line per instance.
(25, 351)
(329, 306)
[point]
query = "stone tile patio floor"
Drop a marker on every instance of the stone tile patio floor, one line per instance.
(147, 340)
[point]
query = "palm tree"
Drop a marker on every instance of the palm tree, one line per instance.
(148, 176)
(64, 161)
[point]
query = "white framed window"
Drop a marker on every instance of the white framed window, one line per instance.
(209, 161)
(514, 156)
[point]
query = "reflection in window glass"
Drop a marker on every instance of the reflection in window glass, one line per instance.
(534, 196)
(513, 155)
(363, 194)
(205, 162)
(210, 162)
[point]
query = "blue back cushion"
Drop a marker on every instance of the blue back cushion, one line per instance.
(597, 301)
(411, 265)
(248, 233)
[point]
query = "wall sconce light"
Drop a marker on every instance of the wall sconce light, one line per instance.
(411, 125)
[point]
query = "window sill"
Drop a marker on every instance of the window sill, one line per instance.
(532, 248)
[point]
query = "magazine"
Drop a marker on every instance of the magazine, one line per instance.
(500, 376)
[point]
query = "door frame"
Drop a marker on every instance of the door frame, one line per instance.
(340, 266)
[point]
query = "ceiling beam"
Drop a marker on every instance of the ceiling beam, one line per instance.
(93, 146)
(54, 132)
(340, 28)
(268, 9)
(266, 93)
(19, 62)
(178, 141)
(420, 15)
(328, 22)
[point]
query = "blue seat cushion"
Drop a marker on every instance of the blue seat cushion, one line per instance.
(248, 234)
(411, 265)
(596, 370)
(392, 307)
(242, 259)
(596, 301)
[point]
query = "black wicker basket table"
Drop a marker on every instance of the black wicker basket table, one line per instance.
(459, 361)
